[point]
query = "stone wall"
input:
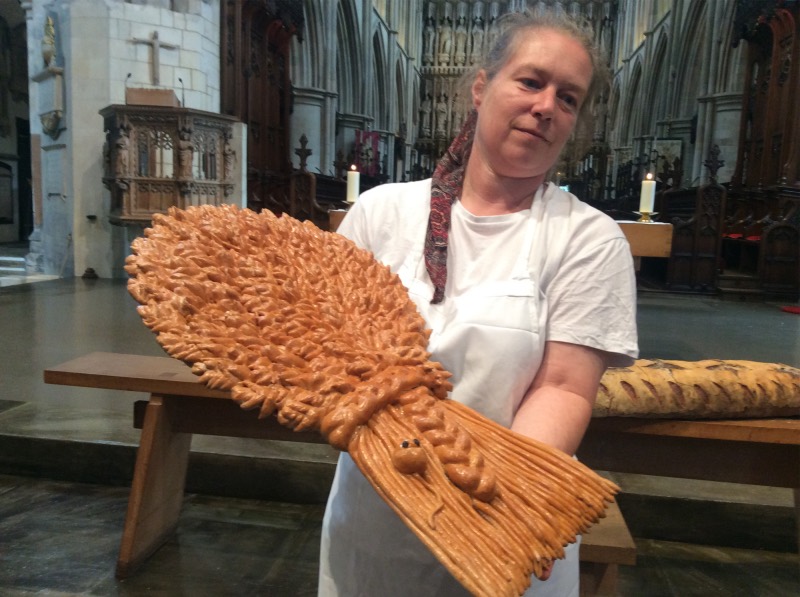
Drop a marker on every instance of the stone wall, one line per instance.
(102, 47)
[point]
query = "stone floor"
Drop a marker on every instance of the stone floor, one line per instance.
(61, 539)
(251, 520)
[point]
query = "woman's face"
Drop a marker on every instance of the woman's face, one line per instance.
(527, 111)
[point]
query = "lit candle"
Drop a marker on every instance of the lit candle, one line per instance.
(353, 177)
(647, 200)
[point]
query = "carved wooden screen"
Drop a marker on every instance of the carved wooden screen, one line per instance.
(768, 145)
(765, 188)
(782, 123)
(694, 260)
(256, 89)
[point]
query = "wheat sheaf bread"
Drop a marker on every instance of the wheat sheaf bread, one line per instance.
(709, 389)
(302, 325)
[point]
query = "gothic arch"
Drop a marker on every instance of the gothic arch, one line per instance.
(658, 87)
(308, 56)
(633, 107)
(613, 111)
(348, 73)
(690, 64)
(400, 113)
(412, 133)
(731, 59)
(380, 108)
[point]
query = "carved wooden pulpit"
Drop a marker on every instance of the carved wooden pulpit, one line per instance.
(156, 157)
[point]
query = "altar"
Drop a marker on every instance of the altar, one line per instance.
(647, 239)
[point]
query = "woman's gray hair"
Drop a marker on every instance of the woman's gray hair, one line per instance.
(510, 28)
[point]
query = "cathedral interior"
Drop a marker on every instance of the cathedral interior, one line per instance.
(114, 110)
(268, 104)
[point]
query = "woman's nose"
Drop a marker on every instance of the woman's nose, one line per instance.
(544, 103)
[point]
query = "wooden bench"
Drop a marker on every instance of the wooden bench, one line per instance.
(749, 451)
(603, 548)
(762, 452)
(180, 405)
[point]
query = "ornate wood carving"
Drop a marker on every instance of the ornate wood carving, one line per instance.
(156, 157)
(694, 261)
(763, 225)
(256, 89)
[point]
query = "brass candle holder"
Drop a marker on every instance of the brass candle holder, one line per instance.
(645, 216)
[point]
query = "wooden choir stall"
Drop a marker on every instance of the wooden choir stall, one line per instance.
(742, 238)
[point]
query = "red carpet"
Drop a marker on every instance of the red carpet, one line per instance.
(795, 310)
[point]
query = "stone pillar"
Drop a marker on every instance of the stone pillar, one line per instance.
(34, 260)
(306, 120)
(728, 111)
(705, 129)
(87, 90)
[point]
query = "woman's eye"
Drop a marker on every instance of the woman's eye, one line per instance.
(570, 101)
(532, 83)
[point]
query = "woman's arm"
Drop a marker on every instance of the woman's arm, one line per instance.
(558, 406)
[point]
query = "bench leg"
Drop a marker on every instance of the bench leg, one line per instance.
(156, 494)
(599, 579)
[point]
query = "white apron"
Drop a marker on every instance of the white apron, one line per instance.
(366, 550)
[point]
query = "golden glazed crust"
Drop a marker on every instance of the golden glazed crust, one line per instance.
(700, 390)
(303, 325)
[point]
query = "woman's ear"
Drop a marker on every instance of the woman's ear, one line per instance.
(478, 87)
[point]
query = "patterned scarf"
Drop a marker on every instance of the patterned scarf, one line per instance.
(448, 178)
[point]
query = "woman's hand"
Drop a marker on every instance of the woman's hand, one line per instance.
(546, 571)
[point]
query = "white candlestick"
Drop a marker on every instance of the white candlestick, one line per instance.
(353, 179)
(647, 200)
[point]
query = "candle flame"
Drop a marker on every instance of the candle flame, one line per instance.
(353, 167)
(649, 176)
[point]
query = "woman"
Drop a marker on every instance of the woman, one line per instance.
(529, 292)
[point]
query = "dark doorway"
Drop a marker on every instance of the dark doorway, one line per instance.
(24, 179)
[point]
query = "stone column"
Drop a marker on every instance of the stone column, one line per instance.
(727, 114)
(34, 260)
(306, 119)
(705, 128)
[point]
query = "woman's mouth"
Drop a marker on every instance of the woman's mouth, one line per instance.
(534, 133)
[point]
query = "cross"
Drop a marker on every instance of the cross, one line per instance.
(302, 152)
(155, 45)
(340, 164)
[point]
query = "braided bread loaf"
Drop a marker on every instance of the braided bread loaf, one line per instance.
(302, 324)
(700, 390)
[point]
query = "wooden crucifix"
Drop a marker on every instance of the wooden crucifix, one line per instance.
(155, 47)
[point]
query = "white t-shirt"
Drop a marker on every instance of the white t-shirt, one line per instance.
(482, 248)
(575, 284)
(586, 272)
